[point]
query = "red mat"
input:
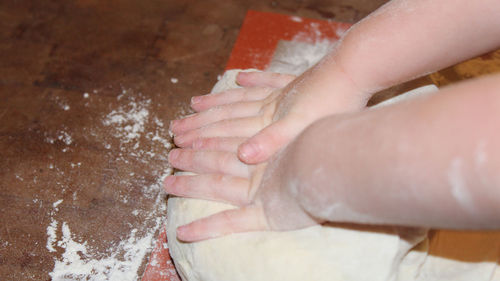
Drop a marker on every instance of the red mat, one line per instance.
(254, 48)
(261, 32)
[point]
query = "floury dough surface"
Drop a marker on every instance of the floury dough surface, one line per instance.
(316, 253)
(331, 252)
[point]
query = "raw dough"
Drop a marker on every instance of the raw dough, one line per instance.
(316, 253)
(330, 252)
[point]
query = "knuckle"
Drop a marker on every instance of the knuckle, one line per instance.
(266, 114)
(198, 143)
(215, 111)
(218, 179)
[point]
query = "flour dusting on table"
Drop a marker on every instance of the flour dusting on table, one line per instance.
(134, 137)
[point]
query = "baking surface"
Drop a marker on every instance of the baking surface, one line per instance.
(87, 90)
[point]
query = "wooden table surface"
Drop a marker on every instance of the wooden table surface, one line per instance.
(87, 90)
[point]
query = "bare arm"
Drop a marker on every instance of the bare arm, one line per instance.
(400, 41)
(405, 39)
(432, 162)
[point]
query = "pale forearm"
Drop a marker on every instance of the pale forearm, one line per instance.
(405, 39)
(431, 162)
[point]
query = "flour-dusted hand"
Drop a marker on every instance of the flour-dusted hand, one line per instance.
(263, 202)
(264, 115)
(289, 110)
(230, 116)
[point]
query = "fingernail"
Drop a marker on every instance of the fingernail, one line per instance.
(174, 154)
(241, 75)
(169, 181)
(181, 232)
(179, 140)
(248, 150)
(195, 99)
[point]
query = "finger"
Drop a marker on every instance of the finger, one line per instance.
(264, 79)
(207, 162)
(246, 219)
(265, 143)
(240, 127)
(229, 144)
(214, 114)
(217, 187)
(201, 103)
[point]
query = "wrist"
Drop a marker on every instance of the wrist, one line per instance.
(321, 172)
(305, 173)
(334, 90)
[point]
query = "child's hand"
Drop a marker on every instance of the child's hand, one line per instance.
(265, 115)
(262, 205)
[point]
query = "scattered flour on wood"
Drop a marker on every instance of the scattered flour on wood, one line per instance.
(51, 235)
(128, 121)
(139, 135)
(77, 261)
(52, 228)
(61, 102)
(122, 262)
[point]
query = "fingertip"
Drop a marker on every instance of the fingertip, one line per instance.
(195, 99)
(197, 107)
(173, 155)
(248, 152)
(197, 103)
(181, 140)
(187, 233)
(240, 78)
(227, 222)
(169, 181)
(201, 103)
(182, 233)
(244, 152)
(245, 78)
(170, 186)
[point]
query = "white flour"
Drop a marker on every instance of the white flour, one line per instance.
(303, 51)
(293, 57)
(77, 261)
(51, 235)
(128, 121)
(135, 134)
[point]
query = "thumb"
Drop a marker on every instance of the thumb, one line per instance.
(265, 143)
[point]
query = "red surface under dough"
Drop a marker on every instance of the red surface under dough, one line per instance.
(261, 32)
